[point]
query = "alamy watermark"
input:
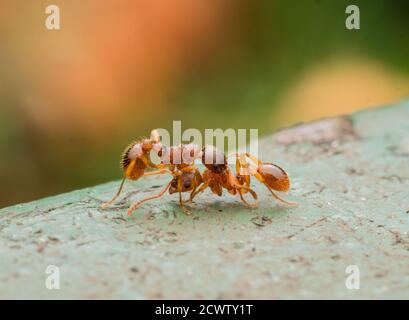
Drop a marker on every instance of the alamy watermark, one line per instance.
(52, 21)
(52, 281)
(187, 146)
(353, 280)
(352, 22)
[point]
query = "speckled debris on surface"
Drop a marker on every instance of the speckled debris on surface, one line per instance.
(350, 176)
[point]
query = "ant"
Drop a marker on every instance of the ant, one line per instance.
(186, 176)
(179, 162)
(136, 160)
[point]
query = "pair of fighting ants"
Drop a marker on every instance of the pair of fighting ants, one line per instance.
(179, 161)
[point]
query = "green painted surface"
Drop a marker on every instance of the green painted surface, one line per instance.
(350, 176)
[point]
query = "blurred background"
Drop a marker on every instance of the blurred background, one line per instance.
(72, 99)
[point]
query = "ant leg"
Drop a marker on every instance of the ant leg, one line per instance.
(156, 166)
(104, 205)
(154, 173)
(180, 188)
(255, 159)
(138, 204)
(197, 182)
(240, 187)
(253, 193)
(279, 198)
(201, 189)
(238, 165)
(245, 201)
(186, 211)
(190, 196)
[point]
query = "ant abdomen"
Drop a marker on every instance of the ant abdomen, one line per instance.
(275, 177)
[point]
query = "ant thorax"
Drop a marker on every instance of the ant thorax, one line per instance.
(248, 169)
(184, 153)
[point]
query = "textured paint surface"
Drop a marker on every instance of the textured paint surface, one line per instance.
(350, 176)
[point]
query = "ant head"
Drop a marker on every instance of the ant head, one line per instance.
(133, 163)
(130, 153)
(213, 159)
(274, 176)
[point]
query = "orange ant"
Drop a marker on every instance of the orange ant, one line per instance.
(218, 176)
(179, 162)
(186, 176)
(136, 160)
